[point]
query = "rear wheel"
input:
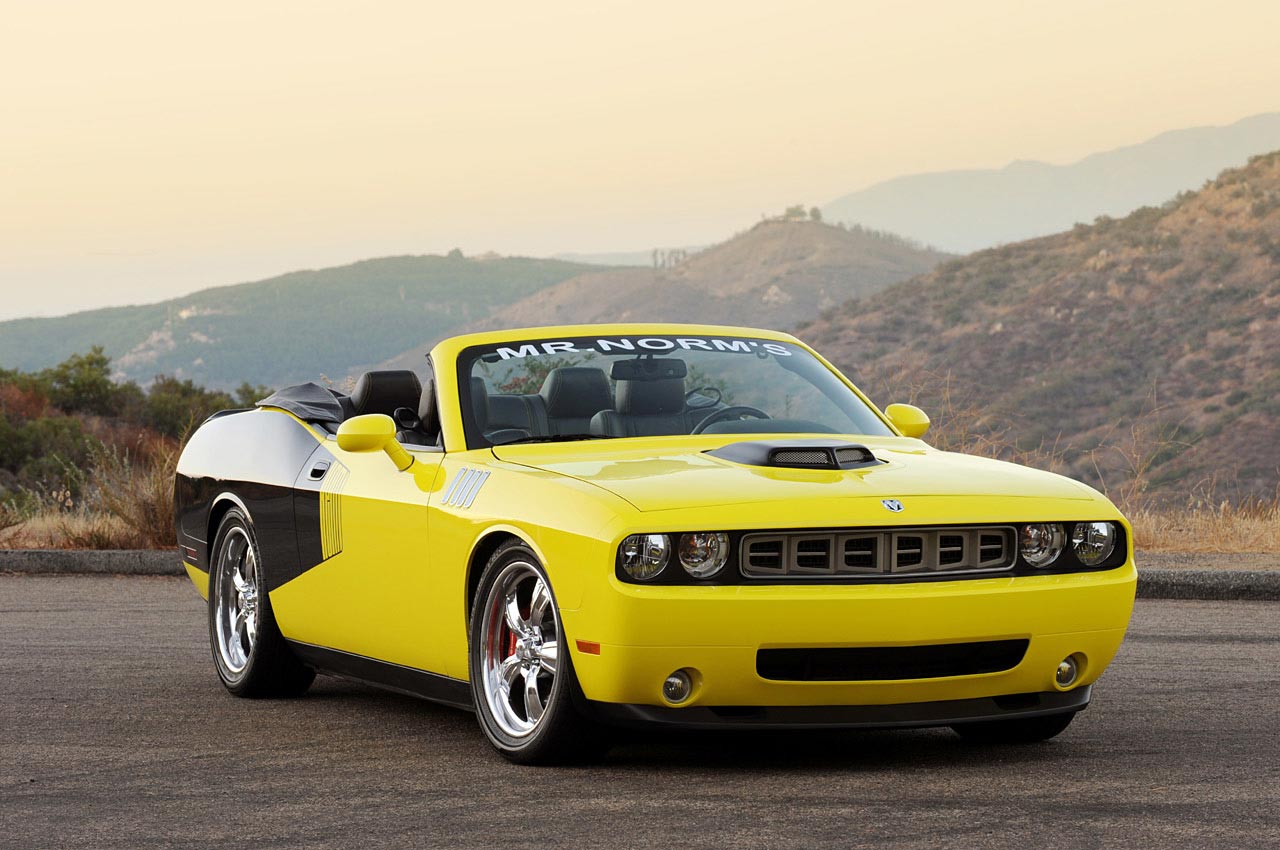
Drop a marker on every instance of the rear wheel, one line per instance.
(249, 652)
(522, 676)
(1023, 730)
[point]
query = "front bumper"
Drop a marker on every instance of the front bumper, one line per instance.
(646, 633)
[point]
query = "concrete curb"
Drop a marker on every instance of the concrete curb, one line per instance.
(128, 562)
(1258, 585)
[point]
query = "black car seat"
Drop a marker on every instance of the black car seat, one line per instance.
(385, 391)
(646, 409)
(479, 404)
(424, 430)
(572, 395)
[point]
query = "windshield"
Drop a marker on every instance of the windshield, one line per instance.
(543, 390)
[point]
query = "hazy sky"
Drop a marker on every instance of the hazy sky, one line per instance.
(152, 148)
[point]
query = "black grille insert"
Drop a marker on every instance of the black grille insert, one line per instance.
(802, 457)
(880, 663)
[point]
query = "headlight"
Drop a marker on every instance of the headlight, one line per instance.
(1093, 542)
(703, 553)
(1042, 542)
(644, 555)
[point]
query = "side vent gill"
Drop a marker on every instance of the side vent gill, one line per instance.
(798, 454)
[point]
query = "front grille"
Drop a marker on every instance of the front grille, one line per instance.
(880, 663)
(850, 552)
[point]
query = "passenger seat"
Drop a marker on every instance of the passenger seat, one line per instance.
(572, 395)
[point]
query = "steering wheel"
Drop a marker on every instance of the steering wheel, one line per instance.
(735, 411)
(703, 391)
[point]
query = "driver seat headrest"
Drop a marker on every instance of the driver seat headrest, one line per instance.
(649, 398)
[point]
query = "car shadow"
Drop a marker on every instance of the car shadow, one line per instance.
(728, 750)
(807, 749)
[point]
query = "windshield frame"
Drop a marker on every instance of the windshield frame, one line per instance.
(466, 358)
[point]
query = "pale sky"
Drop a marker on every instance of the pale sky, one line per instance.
(149, 148)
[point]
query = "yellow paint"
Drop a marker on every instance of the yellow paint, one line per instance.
(199, 578)
(910, 420)
(395, 587)
(371, 433)
(374, 596)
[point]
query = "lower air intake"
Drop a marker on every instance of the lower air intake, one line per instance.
(888, 663)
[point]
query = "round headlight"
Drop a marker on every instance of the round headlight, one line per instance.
(703, 553)
(1093, 542)
(1042, 542)
(644, 555)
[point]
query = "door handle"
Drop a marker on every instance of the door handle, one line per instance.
(317, 472)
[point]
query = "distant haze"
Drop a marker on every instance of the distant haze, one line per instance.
(152, 148)
(963, 211)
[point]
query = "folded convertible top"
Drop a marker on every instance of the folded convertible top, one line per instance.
(309, 402)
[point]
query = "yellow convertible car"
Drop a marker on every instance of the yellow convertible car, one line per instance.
(573, 530)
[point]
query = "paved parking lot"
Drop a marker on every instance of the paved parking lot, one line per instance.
(114, 732)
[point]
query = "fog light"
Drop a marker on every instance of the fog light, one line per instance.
(1067, 672)
(677, 687)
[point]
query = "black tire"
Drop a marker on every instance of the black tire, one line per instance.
(1025, 730)
(262, 665)
(561, 734)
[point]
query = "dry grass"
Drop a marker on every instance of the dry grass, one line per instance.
(81, 528)
(1223, 528)
(129, 506)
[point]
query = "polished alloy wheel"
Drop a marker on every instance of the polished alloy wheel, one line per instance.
(236, 601)
(520, 648)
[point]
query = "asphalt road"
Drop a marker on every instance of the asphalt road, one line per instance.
(114, 732)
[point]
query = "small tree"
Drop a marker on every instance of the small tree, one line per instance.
(815, 214)
(83, 383)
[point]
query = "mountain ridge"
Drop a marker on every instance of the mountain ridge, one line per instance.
(777, 273)
(292, 327)
(965, 210)
(1166, 321)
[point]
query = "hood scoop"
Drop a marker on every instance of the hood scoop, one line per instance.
(798, 454)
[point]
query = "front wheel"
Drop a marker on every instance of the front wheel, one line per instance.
(1023, 730)
(522, 677)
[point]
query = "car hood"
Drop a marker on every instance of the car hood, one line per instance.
(667, 473)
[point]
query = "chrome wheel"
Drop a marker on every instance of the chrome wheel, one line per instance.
(236, 601)
(520, 649)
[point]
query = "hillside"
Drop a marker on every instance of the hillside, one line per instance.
(965, 211)
(1166, 321)
(774, 275)
(289, 328)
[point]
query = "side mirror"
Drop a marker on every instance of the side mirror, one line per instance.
(909, 419)
(371, 433)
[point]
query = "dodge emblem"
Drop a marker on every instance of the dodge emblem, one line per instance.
(892, 505)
